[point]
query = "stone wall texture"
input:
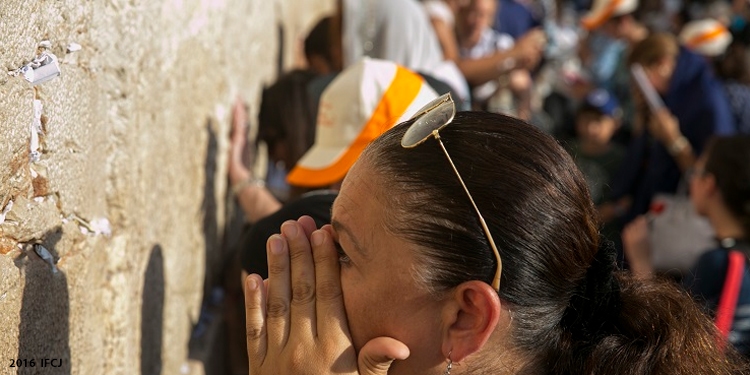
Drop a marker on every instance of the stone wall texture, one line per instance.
(127, 193)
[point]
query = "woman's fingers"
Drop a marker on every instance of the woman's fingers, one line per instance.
(279, 292)
(308, 224)
(285, 313)
(303, 279)
(329, 299)
(255, 316)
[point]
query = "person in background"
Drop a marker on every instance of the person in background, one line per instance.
(614, 30)
(466, 243)
(442, 15)
(599, 158)
(361, 103)
(696, 108)
(286, 124)
(515, 18)
(487, 62)
(286, 118)
(713, 40)
(476, 40)
(393, 30)
(719, 190)
(318, 49)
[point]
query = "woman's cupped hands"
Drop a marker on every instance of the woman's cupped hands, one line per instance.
(296, 320)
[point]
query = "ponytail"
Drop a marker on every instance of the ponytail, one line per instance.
(637, 327)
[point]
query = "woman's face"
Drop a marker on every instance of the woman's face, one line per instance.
(378, 275)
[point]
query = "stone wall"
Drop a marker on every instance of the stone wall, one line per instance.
(126, 192)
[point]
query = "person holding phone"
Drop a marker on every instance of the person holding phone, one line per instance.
(668, 138)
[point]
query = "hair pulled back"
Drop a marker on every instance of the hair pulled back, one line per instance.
(573, 312)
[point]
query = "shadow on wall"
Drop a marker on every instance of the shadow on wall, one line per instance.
(152, 313)
(280, 56)
(209, 209)
(45, 311)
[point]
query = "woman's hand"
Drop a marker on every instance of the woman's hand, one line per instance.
(296, 321)
(636, 247)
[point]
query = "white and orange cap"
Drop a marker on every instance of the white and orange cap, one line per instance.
(707, 37)
(363, 102)
(602, 10)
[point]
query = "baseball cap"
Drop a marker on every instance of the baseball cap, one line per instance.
(602, 101)
(359, 105)
(707, 37)
(602, 10)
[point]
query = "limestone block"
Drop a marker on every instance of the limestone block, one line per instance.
(127, 191)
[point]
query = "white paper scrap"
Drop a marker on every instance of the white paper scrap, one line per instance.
(73, 47)
(5, 211)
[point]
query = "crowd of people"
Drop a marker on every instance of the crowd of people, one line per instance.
(470, 186)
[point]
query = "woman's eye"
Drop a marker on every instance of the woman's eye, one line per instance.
(343, 258)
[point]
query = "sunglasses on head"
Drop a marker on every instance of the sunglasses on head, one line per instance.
(428, 122)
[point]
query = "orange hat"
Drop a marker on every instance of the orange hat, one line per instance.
(363, 102)
(602, 10)
(707, 37)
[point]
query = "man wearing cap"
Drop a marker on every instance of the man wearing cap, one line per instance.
(363, 101)
(713, 40)
(615, 18)
(614, 30)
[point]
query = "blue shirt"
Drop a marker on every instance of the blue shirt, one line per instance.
(514, 19)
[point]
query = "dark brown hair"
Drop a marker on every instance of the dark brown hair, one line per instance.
(572, 312)
(733, 64)
(318, 40)
(729, 162)
(653, 49)
(287, 118)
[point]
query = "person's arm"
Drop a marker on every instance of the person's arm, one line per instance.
(526, 53)
(666, 129)
(256, 201)
(636, 248)
(447, 39)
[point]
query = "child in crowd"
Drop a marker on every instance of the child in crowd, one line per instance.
(599, 158)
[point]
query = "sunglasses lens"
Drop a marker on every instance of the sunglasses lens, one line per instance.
(432, 105)
(435, 119)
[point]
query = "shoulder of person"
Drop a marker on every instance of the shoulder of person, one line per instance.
(438, 9)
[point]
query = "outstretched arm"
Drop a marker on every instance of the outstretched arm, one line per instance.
(256, 201)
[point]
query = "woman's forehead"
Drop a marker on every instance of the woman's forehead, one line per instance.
(352, 195)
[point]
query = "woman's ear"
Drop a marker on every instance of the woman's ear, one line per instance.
(471, 315)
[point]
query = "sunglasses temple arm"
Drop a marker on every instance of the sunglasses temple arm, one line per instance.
(496, 280)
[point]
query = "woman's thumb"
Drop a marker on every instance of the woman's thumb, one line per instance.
(376, 357)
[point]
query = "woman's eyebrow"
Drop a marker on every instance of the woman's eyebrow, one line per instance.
(339, 227)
